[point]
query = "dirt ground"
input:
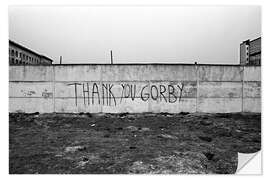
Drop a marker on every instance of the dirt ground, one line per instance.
(130, 143)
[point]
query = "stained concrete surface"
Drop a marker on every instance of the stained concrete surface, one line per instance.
(130, 143)
(171, 88)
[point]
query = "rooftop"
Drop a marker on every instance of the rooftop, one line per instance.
(29, 50)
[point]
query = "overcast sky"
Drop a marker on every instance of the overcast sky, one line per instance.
(149, 34)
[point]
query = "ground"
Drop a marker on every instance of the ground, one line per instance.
(130, 143)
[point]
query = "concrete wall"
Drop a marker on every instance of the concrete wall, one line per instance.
(134, 88)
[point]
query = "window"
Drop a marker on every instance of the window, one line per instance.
(23, 56)
(12, 61)
(12, 52)
(16, 53)
(20, 55)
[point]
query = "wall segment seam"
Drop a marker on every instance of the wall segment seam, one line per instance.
(101, 82)
(197, 86)
(242, 73)
(53, 88)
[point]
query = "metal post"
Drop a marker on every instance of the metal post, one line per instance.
(111, 57)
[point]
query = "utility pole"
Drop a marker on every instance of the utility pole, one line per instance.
(60, 59)
(111, 57)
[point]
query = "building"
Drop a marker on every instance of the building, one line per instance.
(19, 54)
(250, 52)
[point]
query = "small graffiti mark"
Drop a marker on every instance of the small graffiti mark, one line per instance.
(47, 95)
(28, 93)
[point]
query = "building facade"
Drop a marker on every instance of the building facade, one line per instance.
(19, 54)
(250, 52)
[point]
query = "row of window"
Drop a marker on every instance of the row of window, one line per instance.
(24, 56)
(17, 61)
